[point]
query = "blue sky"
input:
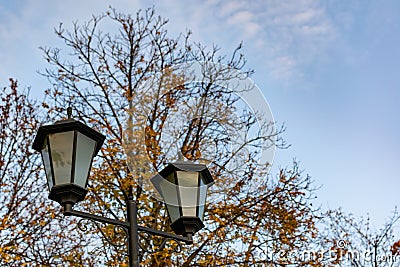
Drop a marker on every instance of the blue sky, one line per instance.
(329, 70)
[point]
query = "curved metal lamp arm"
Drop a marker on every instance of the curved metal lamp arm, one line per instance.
(151, 250)
(117, 230)
(127, 226)
(68, 211)
(188, 240)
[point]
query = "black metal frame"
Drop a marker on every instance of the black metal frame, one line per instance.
(130, 226)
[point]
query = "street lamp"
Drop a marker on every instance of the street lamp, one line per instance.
(68, 148)
(183, 186)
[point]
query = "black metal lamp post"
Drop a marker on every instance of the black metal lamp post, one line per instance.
(68, 148)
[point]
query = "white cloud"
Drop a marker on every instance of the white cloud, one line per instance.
(301, 31)
(306, 16)
(231, 7)
(283, 67)
(286, 35)
(240, 17)
(244, 20)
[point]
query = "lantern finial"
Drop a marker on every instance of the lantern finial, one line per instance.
(69, 112)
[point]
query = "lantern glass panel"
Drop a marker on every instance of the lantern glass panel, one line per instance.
(61, 147)
(170, 195)
(47, 165)
(85, 147)
(188, 191)
(202, 198)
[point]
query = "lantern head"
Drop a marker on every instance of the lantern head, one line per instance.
(68, 148)
(183, 186)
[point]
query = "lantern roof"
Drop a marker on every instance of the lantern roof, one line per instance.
(65, 126)
(190, 167)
